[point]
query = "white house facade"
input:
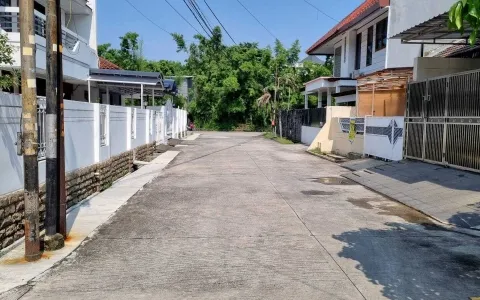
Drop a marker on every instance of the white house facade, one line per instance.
(79, 26)
(360, 47)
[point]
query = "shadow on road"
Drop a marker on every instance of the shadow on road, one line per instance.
(415, 261)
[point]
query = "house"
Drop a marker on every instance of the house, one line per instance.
(370, 70)
(311, 58)
(185, 85)
(79, 26)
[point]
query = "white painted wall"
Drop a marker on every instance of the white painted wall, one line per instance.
(82, 137)
(309, 134)
(380, 145)
(428, 67)
(409, 13)
(79, 135)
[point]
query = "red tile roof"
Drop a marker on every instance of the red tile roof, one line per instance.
(361, 12)
(106, 64)
(454, 50)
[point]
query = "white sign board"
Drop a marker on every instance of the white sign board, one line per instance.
(384, 137)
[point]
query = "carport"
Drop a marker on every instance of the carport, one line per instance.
(131, 83)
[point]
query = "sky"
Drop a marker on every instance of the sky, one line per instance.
(287, 20)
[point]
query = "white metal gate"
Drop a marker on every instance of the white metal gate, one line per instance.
(443, 120)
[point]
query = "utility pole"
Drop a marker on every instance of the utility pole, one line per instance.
(29, 129)
(62, 203)
(53, 240)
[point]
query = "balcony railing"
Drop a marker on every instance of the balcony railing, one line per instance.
(10, 22)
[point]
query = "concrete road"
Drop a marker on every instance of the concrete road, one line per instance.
(236, 216)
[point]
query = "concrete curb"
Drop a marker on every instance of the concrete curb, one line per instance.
(83, 222)
(436, 221)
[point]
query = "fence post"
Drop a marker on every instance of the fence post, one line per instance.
(280, 123)
(128, 130)
(96, 131)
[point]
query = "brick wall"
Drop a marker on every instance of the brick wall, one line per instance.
(80, 184)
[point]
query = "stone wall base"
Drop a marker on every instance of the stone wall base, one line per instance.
(80, 184)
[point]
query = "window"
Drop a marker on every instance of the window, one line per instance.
(381, 35)
(358, 51)
(345, 50)
(337, 62)
(103, 125)
(369, 46)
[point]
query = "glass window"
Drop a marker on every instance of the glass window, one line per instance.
(369, 46)
(381, 35)
(358, 51)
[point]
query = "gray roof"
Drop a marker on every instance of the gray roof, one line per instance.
(313, 58)
(125, 73)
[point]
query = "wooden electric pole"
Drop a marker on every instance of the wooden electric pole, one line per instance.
(62, 219)
(29, 131)
(53, 239)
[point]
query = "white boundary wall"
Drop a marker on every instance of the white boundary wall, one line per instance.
(384, 137)
(82, 135)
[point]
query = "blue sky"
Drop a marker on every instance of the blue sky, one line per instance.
(287, 20)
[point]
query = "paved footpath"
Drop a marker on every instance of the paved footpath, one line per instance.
(236, 216)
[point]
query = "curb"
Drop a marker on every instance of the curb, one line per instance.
(444, 225)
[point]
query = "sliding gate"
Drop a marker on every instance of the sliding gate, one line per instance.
(443, 121)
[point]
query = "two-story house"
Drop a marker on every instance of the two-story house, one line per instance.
(370, 70)
(79, 26)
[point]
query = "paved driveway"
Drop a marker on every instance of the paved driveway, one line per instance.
(239, 217)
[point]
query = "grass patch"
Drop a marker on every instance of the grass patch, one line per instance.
(271, 136)
(317, 151)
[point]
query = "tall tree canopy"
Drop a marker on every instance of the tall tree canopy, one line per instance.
(228, 80)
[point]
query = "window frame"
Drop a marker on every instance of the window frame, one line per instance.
(358, 51)
(370, 45)
(381, 32)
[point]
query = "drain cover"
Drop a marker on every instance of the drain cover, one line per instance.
(334, 181)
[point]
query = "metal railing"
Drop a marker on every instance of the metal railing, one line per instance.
(41, 110)
(290, 122)
(359, 125)
(10, 22)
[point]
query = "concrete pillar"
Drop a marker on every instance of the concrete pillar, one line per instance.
(329, 97)
(141, 96)
(306, 100)
(320, 94)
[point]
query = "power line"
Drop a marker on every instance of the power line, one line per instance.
(257, 20)
(203, 14)
(200, 15)
(147, 17)
(321, 11)
(219, 21)
(182, 16)
(186, 3)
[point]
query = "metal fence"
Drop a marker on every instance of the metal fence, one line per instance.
(290, 122)
(41, 110)
(443, 120)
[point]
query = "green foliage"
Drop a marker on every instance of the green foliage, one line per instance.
(228, 80)
(6, 58)
(237, 84)
(465, 11)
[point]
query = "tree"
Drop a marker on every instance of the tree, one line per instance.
(465, 11)
(6, 58)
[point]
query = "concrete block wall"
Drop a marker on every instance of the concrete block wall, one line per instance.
(428, 67)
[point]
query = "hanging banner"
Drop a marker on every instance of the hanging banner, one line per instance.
(352, 132)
